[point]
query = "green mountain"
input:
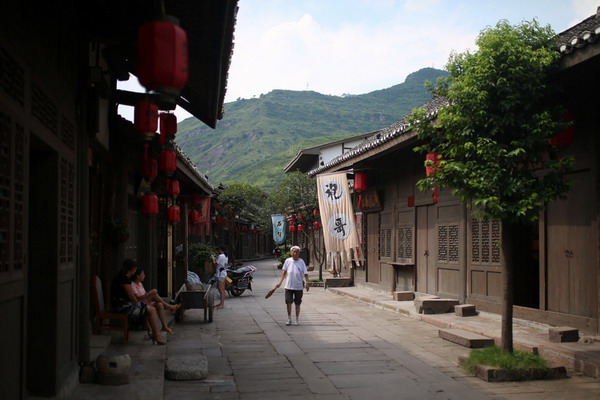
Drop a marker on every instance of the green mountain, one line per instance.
(258, 137)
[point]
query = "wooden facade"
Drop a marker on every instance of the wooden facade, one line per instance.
(70, 175)
(440, 248)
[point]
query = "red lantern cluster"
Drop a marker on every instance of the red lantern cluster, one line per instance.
(162, 56)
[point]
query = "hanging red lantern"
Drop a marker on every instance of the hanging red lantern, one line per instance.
(300, 228)
(173, 187)
(316, 212)
(150, 204)
(299, 217)
(173, 214)
(162, 55)
(168, 161)
(433, 165)
(566, 137)
(218, 219)
(292, 228)
(254, 231)
(194, 217)
(317, 225)
(145, 119)
(360, 181)
(168, 126)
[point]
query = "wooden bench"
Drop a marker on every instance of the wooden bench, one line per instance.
(103, 319)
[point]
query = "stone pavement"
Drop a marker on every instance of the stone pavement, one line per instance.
(352, 343)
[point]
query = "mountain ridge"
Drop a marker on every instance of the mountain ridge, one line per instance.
(257, 137)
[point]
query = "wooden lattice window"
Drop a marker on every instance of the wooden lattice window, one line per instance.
(405, 244)
(44, 109)
(67, 211)
(485, 241)
(12, 77)
(385, 242)
(449, 243)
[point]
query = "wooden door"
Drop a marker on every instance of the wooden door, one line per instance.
(572, 279)
(373, 275)
(425, 262)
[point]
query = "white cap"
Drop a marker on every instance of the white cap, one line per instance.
(294, 248)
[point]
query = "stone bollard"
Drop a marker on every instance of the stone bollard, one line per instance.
(112, 368)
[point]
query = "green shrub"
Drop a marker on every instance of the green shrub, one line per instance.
(284, 256)
(495, 357)
(199, 254)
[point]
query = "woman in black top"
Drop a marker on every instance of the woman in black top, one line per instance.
(124, 301)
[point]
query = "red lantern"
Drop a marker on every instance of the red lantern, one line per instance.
(254, 231)
(145, 119)
(566, 137)
(168, 161)
(162, 56)
(173, 187)
(360, 181)
(300, 228)
(168, 125)
(433, 166)
(194, 217)
(150, 204)
(173, 214)
(292, 228)
(315, 212)
(317, 225)
(150, 168)
(299, 217)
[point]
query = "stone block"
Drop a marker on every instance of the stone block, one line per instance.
(465, 310)
(465, 338)
(404, 296)
(186, 368)
(112, 368)
(337, 282)
(560, 334)
(425, 305)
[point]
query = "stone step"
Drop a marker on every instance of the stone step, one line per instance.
(404, 296)
(337, 282)
(465, 310)
(560, 334)
(465, 338)
(426, 305)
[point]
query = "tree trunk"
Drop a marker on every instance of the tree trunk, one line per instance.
(506, 341)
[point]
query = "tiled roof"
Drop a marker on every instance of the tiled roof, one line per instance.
(580, 35)
(383, 136)
(192, 167)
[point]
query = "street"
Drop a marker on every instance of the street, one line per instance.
(343, 349)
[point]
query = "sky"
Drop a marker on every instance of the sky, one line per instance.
(341, 47)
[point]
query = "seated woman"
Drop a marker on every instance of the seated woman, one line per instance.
(151, 298)
(123, 301)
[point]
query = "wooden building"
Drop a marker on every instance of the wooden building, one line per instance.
(70, 170)
(412, 242)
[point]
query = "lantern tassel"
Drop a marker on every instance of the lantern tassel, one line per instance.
(360, 201)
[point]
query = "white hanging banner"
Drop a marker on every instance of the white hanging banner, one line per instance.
(337, 215)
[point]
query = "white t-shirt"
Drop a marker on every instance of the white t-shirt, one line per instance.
(222, 261)
(294, 280)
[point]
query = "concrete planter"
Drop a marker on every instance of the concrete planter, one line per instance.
(494, 374)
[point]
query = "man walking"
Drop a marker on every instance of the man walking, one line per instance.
(296, 279)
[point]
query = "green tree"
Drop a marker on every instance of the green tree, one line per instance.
(493, 134)
(246, 203)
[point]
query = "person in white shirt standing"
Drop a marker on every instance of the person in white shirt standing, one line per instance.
(295, 274)
(220, 264)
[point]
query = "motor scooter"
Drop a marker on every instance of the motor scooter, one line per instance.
(239, 278)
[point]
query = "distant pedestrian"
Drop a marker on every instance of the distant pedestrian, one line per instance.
(295, 274)
(220, 264)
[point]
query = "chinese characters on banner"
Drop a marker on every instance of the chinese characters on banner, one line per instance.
(335, 204)
(278, 228)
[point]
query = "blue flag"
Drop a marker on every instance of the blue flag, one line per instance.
(278, 228)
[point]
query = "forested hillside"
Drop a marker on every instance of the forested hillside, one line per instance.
(258, 137)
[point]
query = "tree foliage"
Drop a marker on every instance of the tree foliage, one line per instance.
(297, 193)
(245, 201)
(493, 135)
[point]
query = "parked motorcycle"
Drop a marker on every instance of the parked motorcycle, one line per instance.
(239, 278)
